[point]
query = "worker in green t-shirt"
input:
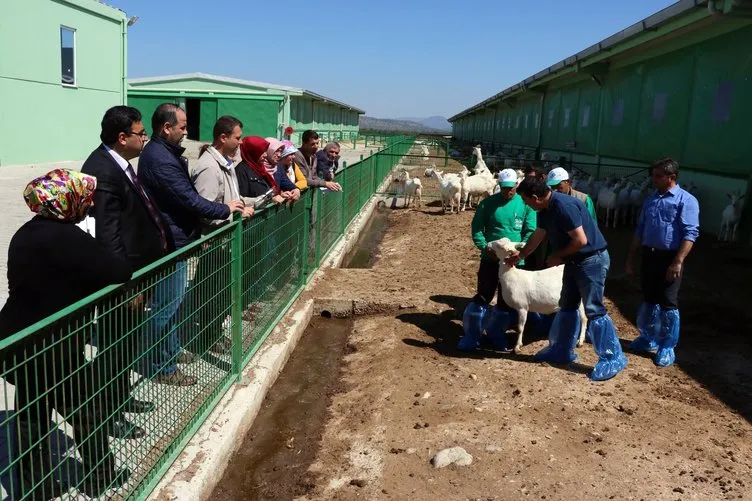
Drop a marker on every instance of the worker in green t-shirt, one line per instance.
(503, 214)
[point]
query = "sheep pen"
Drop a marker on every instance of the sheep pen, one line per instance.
(535, 431)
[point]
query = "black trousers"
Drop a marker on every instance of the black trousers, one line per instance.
(488, 284)
(58, 377)
(655, 288)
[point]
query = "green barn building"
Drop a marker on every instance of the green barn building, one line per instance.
(678, 83)
(265, 109)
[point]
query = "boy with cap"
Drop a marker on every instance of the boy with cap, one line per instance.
(558, 180)
(503, 214)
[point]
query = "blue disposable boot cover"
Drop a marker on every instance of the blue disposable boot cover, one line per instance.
(649, 325)
(496, 323)
(611, 360)
(668, 339)
(472, 324)
(562, 338)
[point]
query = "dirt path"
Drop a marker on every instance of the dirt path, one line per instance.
(535, 431)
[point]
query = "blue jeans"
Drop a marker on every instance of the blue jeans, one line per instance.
(164, 346)
(584, 281)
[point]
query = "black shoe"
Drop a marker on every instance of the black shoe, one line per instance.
(123, 428)
(98, 482)
(138, 406)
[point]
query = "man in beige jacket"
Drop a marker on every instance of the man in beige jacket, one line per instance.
(214, 177)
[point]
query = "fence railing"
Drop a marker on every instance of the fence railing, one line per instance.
(76, 386)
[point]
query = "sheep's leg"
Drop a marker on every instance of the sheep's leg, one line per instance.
(418, 194)
(583, 325)
(733, 232)
(521, 326)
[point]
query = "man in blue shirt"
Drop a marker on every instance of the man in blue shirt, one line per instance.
(668, 227)
(578, 244)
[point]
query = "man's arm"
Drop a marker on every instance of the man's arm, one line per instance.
(529, 224)
(108, 206)
(591, 208)
(577, 240)
(173, 181)
(690, 223)
(206, 182)
(532, 243)
(478, 226)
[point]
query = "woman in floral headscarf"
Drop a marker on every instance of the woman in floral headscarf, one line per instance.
(52, 264)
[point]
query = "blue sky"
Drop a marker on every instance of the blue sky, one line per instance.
(390, 57)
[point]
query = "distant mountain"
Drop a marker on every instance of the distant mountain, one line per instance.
(395, 125)
(436, 122)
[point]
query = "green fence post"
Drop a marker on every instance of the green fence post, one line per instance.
(354, 138)
(446, 155)
(366, 136)
(237, 297)
(304, 241)
(318, 226)
(343, 223)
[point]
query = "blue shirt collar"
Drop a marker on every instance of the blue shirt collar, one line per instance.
(673, 192)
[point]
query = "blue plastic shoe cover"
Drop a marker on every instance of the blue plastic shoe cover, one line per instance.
(562, 339)
(668, 338)
(472, 324)
(611, 360)
(496, 323)
(649, 325)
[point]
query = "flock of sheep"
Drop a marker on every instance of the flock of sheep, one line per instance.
(618, 200)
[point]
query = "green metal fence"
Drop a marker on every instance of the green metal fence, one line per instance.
(69, 378)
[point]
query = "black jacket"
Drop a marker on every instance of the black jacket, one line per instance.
(124, 225)
(163, 171)
(250, 183)
(52, 265)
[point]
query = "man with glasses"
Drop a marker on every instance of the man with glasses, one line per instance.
(128, 224)
(667, 229)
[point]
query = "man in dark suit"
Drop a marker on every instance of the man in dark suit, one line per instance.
(128, 224)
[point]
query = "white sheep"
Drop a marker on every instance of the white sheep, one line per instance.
(480, 164)
(476, 186)
(411, 189)
(536, 291)
(450, 188)
(730, 218)
(622, 204)
(636, 198)
(607, 201)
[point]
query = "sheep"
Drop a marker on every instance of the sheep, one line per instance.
(636, 198)
(411, 188)
(622, 204)
(429, 172)
(536, 291)
(607, 201)
(730, 217)
(480, 164)
(450, 188)
(479, 185)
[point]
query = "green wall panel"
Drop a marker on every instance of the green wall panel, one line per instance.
(621, 104)
(718, 132)
(146, 105)
(550, 119)
(588, 113)
(207, 119)
(259, 117)
(666, 93)
(570, 98)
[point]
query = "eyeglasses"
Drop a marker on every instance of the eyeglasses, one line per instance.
(142, 134)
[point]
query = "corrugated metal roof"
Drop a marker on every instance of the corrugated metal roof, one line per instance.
(670, 13)
(246, 83)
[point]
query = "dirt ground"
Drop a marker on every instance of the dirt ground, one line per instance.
(535, 431)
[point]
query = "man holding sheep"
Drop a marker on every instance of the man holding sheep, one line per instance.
(668, 226)
(578, 244)
(503, 214)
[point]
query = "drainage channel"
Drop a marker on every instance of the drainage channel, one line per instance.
(272, 462)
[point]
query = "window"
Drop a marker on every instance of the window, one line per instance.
(517, 122)
(566, 116)
(585, 116)
(68, 55)
(721, 111)
(537, 120)
(659, 107)
(617, 117)
(550, 119)
(526, 119)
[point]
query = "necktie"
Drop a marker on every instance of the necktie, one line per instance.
(152, 211)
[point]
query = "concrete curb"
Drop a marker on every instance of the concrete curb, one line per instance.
(196, 472)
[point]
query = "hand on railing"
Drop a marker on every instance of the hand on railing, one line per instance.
(248, 212)
(331, 185)
(236, 206)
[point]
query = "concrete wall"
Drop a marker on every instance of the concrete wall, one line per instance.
(40, 119)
